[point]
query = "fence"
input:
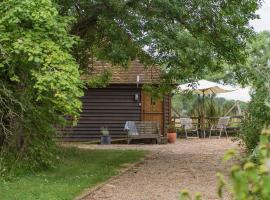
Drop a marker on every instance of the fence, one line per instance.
(233, 127)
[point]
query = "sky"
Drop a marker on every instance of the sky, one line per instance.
(241, 94)
(263, 23)
(259, 25)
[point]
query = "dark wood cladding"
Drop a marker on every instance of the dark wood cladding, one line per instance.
(167, 111)
(110, 107)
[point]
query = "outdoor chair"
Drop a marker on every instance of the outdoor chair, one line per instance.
(188, 126)
(220, 127)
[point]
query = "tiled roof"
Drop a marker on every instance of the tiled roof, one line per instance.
(121, 75)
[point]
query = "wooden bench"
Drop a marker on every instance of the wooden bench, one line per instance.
(145, 130)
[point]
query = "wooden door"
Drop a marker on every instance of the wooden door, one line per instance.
(152, 110)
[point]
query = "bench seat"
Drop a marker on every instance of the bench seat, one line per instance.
(145, 130)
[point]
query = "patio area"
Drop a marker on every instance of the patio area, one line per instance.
(191, 164)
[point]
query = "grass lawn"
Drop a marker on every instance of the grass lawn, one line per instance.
(78, 170)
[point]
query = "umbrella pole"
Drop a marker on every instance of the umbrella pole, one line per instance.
(203, 109)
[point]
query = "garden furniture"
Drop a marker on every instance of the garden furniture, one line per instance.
(188, 126)
(220, 127)
(142, 130)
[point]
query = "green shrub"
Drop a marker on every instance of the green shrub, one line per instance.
(251, 181)
(249, 134)
(258, 116)
(257, 74)
(39, 82)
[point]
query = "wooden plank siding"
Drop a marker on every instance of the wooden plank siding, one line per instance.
(167, 112)
(111, 107)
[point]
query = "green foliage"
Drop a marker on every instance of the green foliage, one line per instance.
(184, 195)
(183, 103)
(221, 184)
(40, 80)
(249, 135)
(188, 39)
(252, 180)
(105, 131)
(75, 171)
(40, 154)
(157, 91)
(171, 128)
(257, 74)
(100, 80)
(188, 104)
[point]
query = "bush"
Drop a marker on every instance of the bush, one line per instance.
(249, 135)
(258, 116)
(251, 181)
(257, 74)
(39, 82)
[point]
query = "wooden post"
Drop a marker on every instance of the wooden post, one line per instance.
(203, 110)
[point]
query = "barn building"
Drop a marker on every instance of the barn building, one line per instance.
(122, 100)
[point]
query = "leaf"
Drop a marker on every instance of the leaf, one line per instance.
(229, 155)
(184, 195)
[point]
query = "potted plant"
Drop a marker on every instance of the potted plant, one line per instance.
(171, 133)
(105, 138)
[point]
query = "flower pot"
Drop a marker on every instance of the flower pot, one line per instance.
(171, 137)
(106, 139)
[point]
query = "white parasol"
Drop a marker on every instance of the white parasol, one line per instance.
(204, 87)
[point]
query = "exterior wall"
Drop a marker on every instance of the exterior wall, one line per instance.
(167, 112)
(110, 107)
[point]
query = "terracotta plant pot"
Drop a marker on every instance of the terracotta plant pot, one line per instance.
(171, 137)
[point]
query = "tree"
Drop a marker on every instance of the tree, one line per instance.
(256, 73)
(40, 80)
(186, 37)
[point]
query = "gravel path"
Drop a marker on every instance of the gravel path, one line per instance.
(190, 164)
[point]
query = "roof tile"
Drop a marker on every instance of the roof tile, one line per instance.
(120, 75)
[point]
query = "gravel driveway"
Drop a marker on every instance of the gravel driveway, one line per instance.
(190, 164)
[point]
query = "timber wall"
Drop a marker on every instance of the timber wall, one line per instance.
(109, 107)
